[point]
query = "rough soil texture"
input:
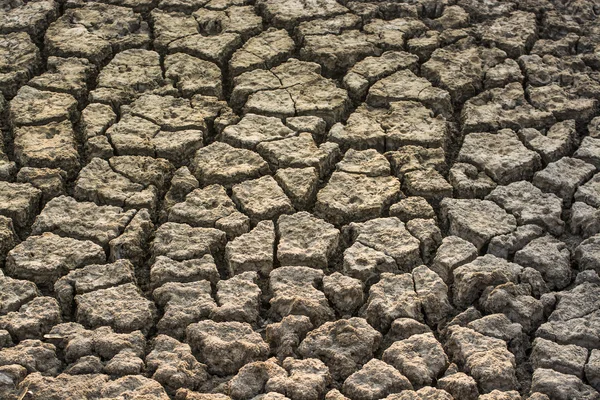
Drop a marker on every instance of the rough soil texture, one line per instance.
(299, 200)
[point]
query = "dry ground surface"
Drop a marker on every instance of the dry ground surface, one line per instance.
(299, 199)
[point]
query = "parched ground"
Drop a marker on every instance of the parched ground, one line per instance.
(299, 199)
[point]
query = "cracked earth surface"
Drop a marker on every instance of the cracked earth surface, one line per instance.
(299, 199)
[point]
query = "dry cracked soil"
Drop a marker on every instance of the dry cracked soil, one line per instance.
(299, 199)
